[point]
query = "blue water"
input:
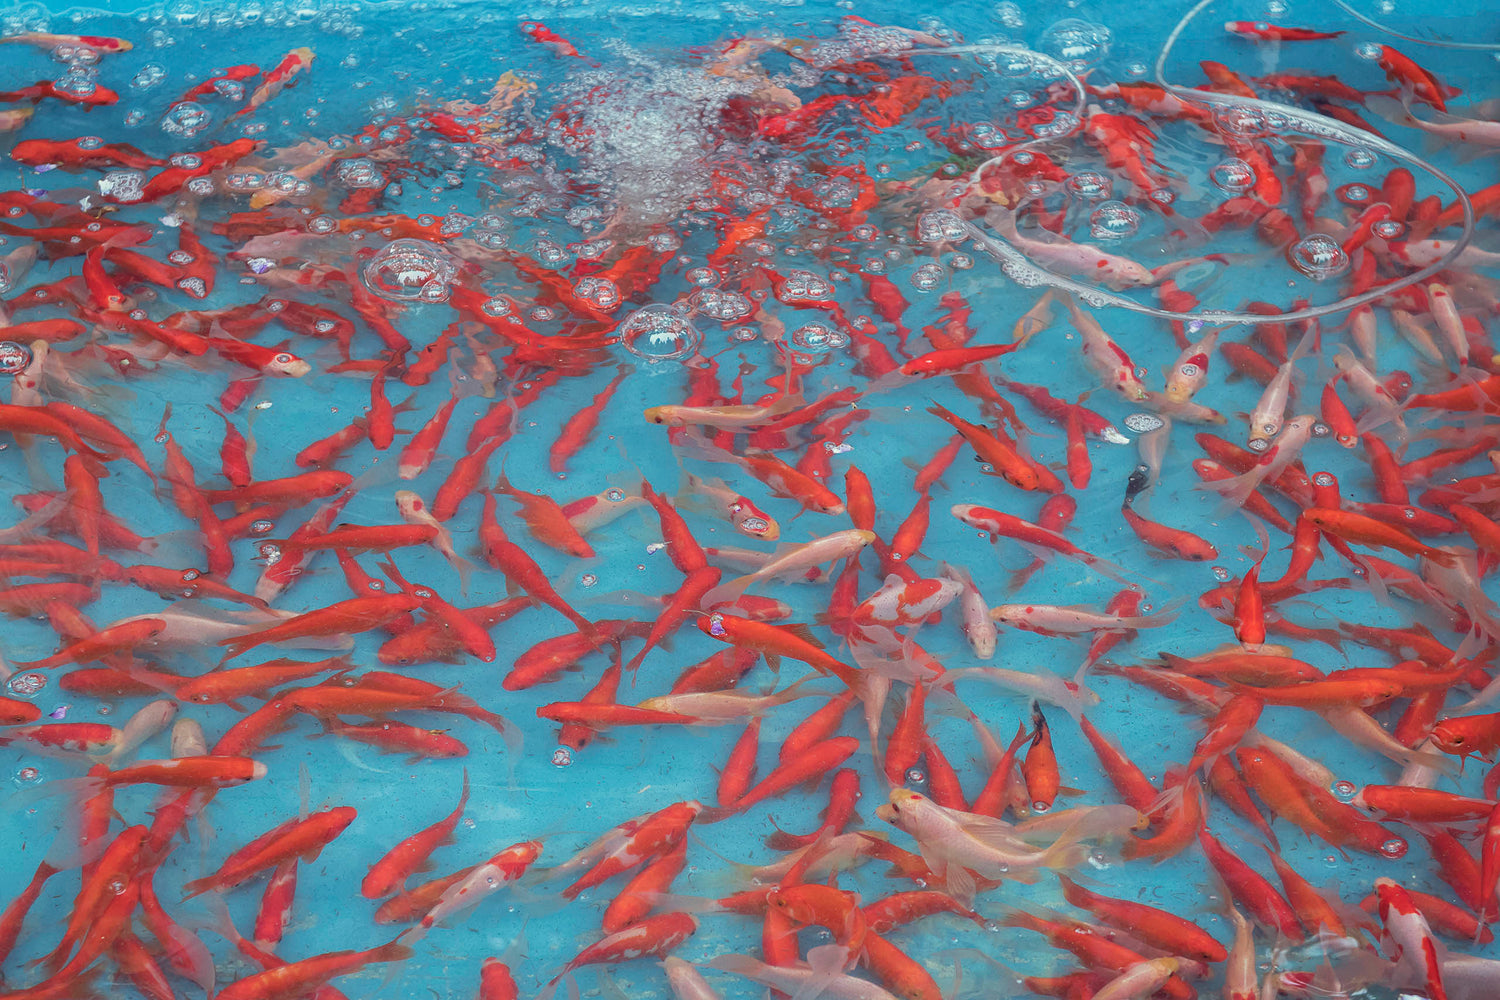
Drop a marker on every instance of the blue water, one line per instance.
(658, 153)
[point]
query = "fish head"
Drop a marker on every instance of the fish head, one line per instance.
(289, 365)
(662, 415)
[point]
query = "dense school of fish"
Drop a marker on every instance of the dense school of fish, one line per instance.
(111, 253)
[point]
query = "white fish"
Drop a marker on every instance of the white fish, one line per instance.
(977, 627)
(144, 724)
(1058, 619)
(824, 977)
(794, 561)
(686, 981)
(958, 845)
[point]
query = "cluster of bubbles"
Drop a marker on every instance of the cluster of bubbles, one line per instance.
(360, 173)
(928, 277)
(410, 270)
(721, 304)
(941, 226)
(601, 293)
(186, 119)
(81, 78)
(819, 337)
(804, 286)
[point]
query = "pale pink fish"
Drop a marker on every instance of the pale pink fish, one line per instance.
(823, 978)
(1285, 450)
(977, 627)
(1270, 411)
(593, 512)
(1189, 372)
(414, 510)
(145, 723)
(1185, 410)
(1241, 980)
(725, 706)
(1041, 684)
(959, 845)
(685, 981)
(1415, 332)
(1055, 619)
(1445, 313)
(795, 561)
(1107, 358)
(1139, 980)
(1075, 259)
(714, 496)
(736, 417)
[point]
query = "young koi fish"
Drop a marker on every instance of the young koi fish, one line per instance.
(715, 497)
(1051, 619)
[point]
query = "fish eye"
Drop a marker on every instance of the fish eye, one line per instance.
(283, 359)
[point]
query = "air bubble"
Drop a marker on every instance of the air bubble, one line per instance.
(27, 776)
(1221, 574)
(1344, 790)
(14, 357)
(1076, 42)
(1360, 159)
(1233, 175)
(562, 757)
(588, 579)
(941, 226)
(1242, 122)
(149, 76)
(1356, 193)
(1090, 184)
(614, 494)
(186, 119)
(27, 684)
(927, 277)
(916, 776)
(601, 293)
(1393, 848)
(410, 271)
(1368, 50)
(1114, 220)
(801, 286)
(360, 173)
(657, 333)
(1318, 256)
(1389, 229)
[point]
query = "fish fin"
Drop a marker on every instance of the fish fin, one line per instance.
(804, 632)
